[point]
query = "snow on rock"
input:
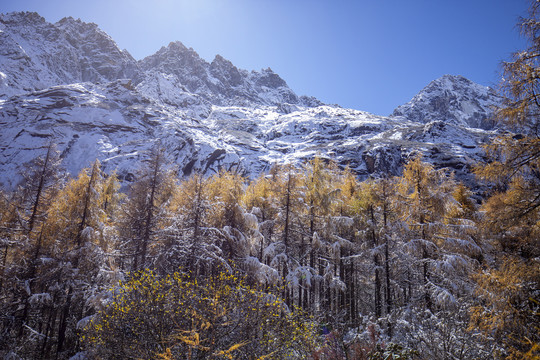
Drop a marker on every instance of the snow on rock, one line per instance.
(35, 54)
(452, 99)
(70, 83)
(220, 82)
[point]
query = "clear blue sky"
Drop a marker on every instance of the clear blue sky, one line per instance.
(370, 55)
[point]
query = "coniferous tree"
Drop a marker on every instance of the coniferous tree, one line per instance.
(259, 200)
(321, 191)
(225, 191)
(424, 194)
(442, 243)
(190, 242)
(145, 211)
(80, 226)
(24, 225)
(509, 289)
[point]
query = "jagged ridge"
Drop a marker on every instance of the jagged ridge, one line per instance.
(452, 99)
(70, 82)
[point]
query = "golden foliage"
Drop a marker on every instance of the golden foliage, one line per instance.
(225, 190)
(509, 307)
(175, 315)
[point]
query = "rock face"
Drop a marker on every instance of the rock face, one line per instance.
(220, 82)
(452, 99)
(70, 83)
(35, 54)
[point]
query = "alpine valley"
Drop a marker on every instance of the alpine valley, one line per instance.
(69, 83)
(248, 222)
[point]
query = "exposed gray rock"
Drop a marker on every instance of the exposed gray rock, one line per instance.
(35, 54)
(69, 82)
(220, 82)
(452, 99)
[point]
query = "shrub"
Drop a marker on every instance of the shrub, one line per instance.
(179, 317)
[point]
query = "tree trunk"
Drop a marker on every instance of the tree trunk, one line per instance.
(41, 185)
(150, 211)
(376, 262)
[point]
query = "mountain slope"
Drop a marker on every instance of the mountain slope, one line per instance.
(220, 82)
(452, 99)
(35, 54)
(70, 83)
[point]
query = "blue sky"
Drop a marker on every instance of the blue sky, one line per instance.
(370, 55)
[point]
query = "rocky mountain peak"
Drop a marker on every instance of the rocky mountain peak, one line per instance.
(455, 81)
(70, 82)
(176, 46)
(22, 18)
(219, 82)
(76, 25)
(101, 51)
(220, 63)
(174, 58)
(454, 99)
(269, 78)
(35, 54)
(224, 70)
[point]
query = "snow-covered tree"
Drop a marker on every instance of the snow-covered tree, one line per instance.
(145, 210)
(509, 289)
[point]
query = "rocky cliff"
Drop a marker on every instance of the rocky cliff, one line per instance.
(70, 83)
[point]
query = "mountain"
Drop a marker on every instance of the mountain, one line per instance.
(220, 82)
(35, 54)
(452, 99)
(70, 83)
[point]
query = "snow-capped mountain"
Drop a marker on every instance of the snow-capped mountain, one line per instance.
(220, 82)
(452, 99)
(35, 54)
(70, 83)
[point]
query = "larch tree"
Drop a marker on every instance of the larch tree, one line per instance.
(438, 250)
(373, 203)
(282, 253)
(382, 196)
(320, 192)
(225, 191)
(189, 242)
(145, 210)
(514, 158)
(79, 223)
(24, 225)
(511, 301)
(258, 199)
(423, 195)
(29, 204)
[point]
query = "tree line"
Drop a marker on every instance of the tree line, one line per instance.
(413, 259)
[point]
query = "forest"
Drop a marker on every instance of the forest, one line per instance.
(303, 262)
